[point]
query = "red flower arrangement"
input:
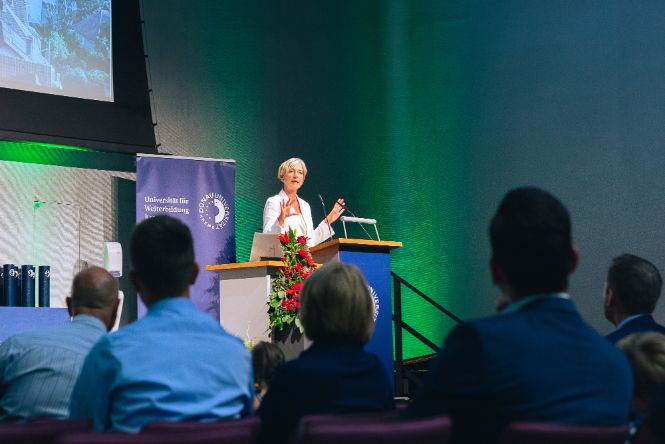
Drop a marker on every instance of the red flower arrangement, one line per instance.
(284, 297)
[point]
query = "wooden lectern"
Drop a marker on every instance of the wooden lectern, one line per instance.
(244, 289)
(243, 296)
(243, 308)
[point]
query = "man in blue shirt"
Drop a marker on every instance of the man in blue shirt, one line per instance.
(632, 290)
(38, 369)
(537, 360)
(176, 363)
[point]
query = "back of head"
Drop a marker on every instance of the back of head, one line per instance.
(531, 242)
(93, 289)
(636, 282)
(162, 254)
(646, 354)
(336, 307)
(266, 357)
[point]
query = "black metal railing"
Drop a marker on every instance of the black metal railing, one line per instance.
(401, 373)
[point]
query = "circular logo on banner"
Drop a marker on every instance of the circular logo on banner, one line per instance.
(214, 211)
(375, 300)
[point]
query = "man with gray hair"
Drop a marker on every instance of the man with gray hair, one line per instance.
(631, 293)
(38, 369)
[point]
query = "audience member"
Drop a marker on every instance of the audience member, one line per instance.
(537, 360)
(335, 374)
(266, 358)
(646, 354)
(38, 368)
(631, 292)
(176, 363)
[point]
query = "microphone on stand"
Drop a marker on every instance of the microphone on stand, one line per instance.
(325, 216)
(353, 215)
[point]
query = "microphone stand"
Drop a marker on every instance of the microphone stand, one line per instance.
(351, 213)
(325, 216)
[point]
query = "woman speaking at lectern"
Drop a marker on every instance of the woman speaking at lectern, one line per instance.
(286, 211)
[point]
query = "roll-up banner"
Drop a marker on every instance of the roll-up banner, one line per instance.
(199, 192)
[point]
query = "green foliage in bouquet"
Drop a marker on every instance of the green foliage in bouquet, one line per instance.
(284, 297)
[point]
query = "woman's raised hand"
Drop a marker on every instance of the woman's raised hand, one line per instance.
(286, 210)
(336, 212)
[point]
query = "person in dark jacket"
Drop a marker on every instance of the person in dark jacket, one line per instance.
(631, 293)
(335, 374)
(537, 360)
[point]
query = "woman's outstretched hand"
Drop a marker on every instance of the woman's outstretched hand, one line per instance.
(286, 210)
(336, 212)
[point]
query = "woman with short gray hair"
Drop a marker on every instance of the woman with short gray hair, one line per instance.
(337, 306)
(286, 211)
(335, 374)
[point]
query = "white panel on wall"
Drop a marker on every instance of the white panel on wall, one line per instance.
(56, 242)
(57, 214)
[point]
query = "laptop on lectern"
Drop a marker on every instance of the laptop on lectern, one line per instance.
(265, 247)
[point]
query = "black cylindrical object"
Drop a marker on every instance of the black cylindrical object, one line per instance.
(27, 285)
(11, 283)
(2, 287)
(18, 289)
(44, 275)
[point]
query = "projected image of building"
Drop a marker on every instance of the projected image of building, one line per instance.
(21, 57)
(57, 46)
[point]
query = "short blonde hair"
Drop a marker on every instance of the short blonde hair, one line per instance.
(336, 306)
(291, 163)
(646, 354)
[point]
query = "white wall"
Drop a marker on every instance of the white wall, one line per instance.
(80, 205)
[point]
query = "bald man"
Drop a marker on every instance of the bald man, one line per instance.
(38, 369)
